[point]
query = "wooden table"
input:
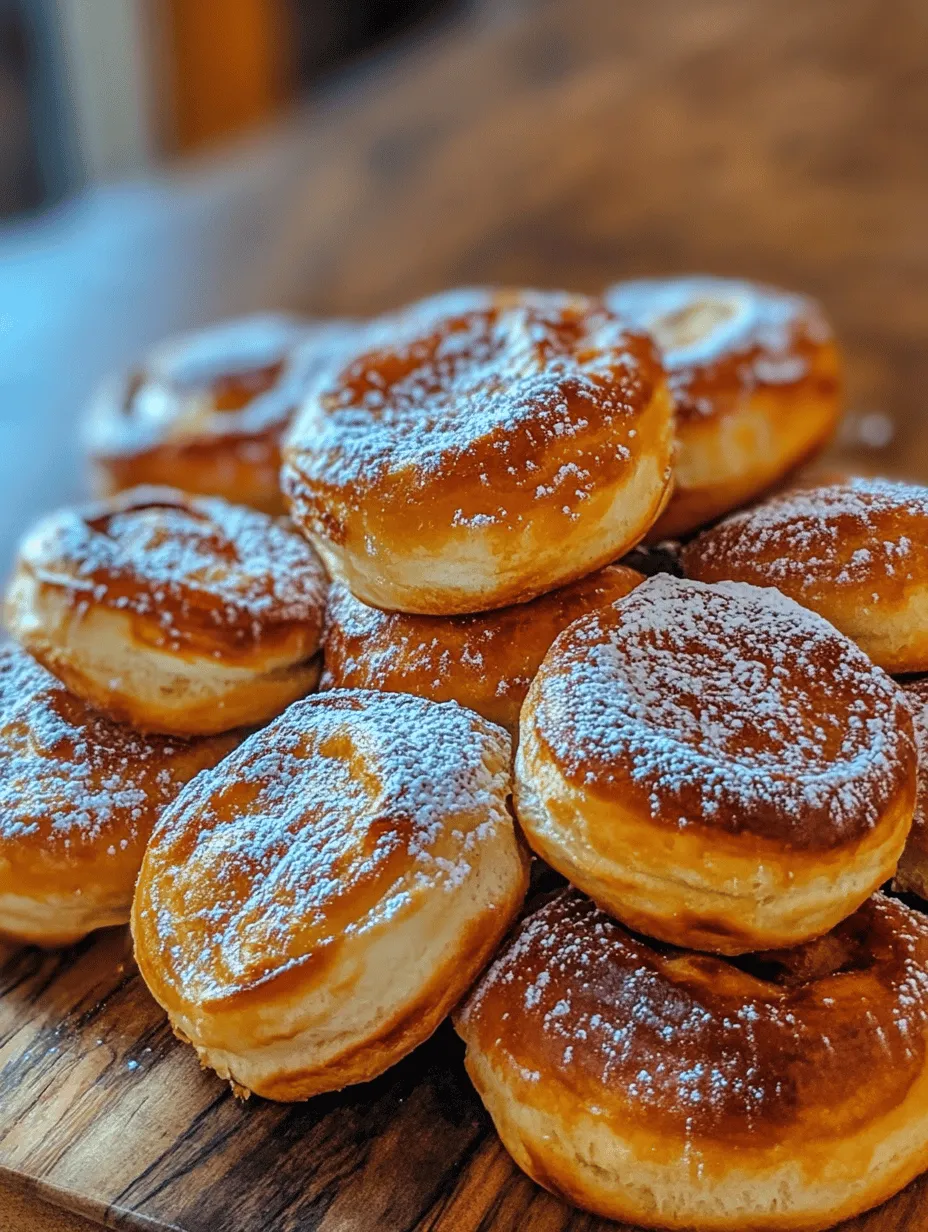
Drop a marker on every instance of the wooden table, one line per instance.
(563, 143)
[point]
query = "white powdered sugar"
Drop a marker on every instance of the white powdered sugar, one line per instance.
(67, 774)
(158, 552)
(237, 378)
(725, 705)
(717, 1045)
(326, 822)
(702, 321)
(916, 692)
(845, 534)
(498, 392)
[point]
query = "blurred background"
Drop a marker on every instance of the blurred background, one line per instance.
(97, 89)
(166, 162)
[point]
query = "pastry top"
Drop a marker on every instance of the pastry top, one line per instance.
(327, 826)
(468, 414)
(723, 337)
(76, 788)
(817, 542)
(916, 692)
(194, 573)
(239, 378)
(589, 1019)
(486, 661)
(725, 707)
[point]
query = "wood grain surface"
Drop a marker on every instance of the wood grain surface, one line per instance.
(562, 143)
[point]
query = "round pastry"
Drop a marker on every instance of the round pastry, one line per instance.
(474, 457)
(754, 372)
(912, 872)
(175, 613)
(206, 412)
(680, 1090)
(79, 796)
(716, 766)
(311, 912)
(485, 661)
(857, 552)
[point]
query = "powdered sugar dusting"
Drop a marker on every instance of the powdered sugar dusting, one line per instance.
(181, 560)
(68, 775)
(700, 322)
(494, 393)
(472, 658)
(729, 706)
(241, 377)
(843, 534)
(326, 823)
(716, 1046)
(916, 692)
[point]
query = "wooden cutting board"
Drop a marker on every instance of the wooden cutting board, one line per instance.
(103, 1112)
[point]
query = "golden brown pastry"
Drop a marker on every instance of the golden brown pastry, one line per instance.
(485, 661)
(755, 375)
(79, 796)
(311, 912)
(679, 1090)
(477, 454)
(175, 613)
(716, 766)
(912, 872)
(205, 412)
(856, 551)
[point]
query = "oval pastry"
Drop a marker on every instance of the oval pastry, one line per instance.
(679, 1090)
(912, 873)
(484, 661)
(855, 551)
(474, 457)
(79, 797)
(311, 913)
(175, 613)
(754, 372)
(205, 412)
(716, 766)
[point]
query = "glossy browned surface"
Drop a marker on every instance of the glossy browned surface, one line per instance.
(913, 867)
(305, 838)
(734, 711)
(193, 575)
(79, 795)
(486, 661)
(208, 411)
(460, 418)
(684, 1046)
(722, 340)
(861, 542)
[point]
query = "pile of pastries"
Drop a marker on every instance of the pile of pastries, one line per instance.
(468, 666)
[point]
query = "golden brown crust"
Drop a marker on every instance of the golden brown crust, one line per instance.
(912, 873)
(723, 337)
(754, 373)
(437, 470)
(206, 412)
(310, 913)
(729, 707)
(155, 606)
(485, 661)
(717, 765)
(855, 551)
(79, 796)
(715, 1093)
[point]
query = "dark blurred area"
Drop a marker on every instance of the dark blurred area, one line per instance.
(101, 89)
